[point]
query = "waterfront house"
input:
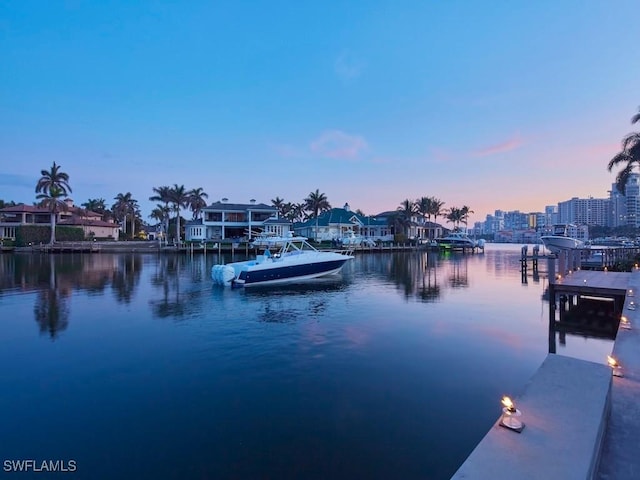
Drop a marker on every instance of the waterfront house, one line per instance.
(90, 222)
(338, 223)
(417, 227)
(222, 220)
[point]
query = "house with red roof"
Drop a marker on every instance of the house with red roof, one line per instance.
(90, 222)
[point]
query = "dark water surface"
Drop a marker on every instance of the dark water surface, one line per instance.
(136, 366)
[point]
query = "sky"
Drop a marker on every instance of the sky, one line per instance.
(510, 105)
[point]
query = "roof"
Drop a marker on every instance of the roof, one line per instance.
(197, 221)
(342, 216)
(22, 208)
(277, 221)
(239, 206)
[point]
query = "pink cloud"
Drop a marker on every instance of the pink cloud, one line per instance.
(338, 144)
(511, 144)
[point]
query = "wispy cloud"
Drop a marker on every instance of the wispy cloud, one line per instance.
(506, 146)
(339, 145)
(347, 66)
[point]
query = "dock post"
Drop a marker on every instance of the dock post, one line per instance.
(552, 316)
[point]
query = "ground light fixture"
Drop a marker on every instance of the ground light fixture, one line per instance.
(625, 323)
(630, 292)
(632, 305)
(511, 416)
(616, 368)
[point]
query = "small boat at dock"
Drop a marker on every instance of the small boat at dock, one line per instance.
(560, 240)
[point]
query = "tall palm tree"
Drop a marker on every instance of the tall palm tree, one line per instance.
(179, 198)
(52, 186)
(196, 201)
(163, 194)
(161, 214)
(629, 156)
(464, 215)
(436, 208)
(454, 215)
(405, 212)
(54, 202)
(279, 204)
(423, 207)
(316, 203)
(126, 207)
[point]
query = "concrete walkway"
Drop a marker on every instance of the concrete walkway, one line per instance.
(620, 459)
(581, 421)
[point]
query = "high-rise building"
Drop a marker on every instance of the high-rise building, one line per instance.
(625, 208)
(585, 211)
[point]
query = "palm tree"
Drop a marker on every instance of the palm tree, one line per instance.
(160, 213)
(316, 203)
(179, 198)
(126, 206)
(454, 215)
(52, 187)
(163, 194)
(53, 201)
(436, 208)
(196, 201)
(279, 204)
(464, 215)
(629, 156)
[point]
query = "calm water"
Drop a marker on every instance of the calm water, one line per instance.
(138, 367)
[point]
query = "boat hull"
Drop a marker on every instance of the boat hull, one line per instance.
(289, 273)
(557, 243)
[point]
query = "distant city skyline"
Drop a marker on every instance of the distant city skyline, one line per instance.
(495, 106)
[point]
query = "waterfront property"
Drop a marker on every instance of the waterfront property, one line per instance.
(91, 223)
(338, 223)
(222, 220)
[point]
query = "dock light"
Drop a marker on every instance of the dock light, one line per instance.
(511, 416)
(625, 323)
(585, 281)
(616, 368)
(632, 305)
(630, 292)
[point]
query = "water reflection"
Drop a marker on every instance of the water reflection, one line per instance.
(126, 276)
(53, 279)
(275, 304)
(418, 274)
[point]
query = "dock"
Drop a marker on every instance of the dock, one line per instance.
(581, 418)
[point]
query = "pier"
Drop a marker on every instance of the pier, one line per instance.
(581, 418)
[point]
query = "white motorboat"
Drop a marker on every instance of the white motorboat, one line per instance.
(560, 240)
(296, 260)
(457, 241)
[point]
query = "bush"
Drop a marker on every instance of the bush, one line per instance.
(36, 234)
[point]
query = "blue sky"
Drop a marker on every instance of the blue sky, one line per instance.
(493, 104)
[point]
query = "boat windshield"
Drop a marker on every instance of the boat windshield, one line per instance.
(297, 245)
(560, 230)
